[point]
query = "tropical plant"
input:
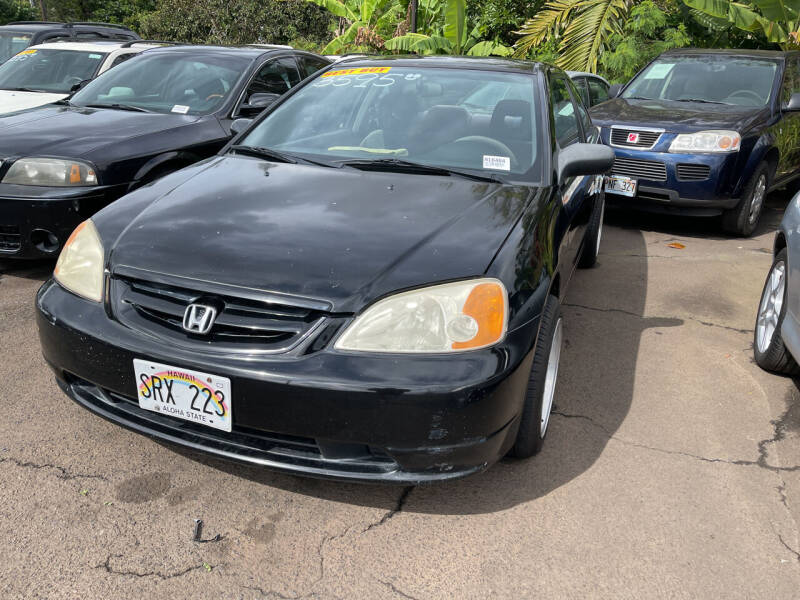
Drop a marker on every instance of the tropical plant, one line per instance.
(362, 23)
(648, 32)
(449, 33)
(583, 29)
(778, 20)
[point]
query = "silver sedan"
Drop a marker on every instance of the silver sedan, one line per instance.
(777, 333)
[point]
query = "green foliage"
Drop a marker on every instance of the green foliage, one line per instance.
(448, 32)
(583, 28)
(648, 32)
(777, 20)
(362, 24)
(499, 19)
(16, 10)
(235, 21)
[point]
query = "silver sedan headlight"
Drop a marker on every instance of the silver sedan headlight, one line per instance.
(452, 317)
(52, 172)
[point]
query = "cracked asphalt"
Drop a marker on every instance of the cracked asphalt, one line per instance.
(671, 468)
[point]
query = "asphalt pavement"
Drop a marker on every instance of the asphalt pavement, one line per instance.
(671, 468)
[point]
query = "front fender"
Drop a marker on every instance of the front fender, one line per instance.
(763, 145)
(179, 158)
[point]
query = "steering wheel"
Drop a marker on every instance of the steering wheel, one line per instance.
(749, 94)
(482, 144)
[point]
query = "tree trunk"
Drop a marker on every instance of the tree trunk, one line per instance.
(43, 7)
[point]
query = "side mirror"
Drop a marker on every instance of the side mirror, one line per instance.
(584, 159)
(256, 103)
(614, 90)
(239, 125)
(79, 86)
(793, 104)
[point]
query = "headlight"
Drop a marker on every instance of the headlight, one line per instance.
(80, 264)
(443, 318)
(54, 172)
(707, 141)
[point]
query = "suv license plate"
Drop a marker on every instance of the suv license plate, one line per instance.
(617, 184)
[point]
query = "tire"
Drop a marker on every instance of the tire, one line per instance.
(770, 352)
(743, 219)
(541, 383)
(594, 232)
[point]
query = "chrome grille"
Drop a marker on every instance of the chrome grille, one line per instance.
(640, 169)
(242, 324)
(645, 139)
(10, 238)
(688, 172)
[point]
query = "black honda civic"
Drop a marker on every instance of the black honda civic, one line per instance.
(364, 285)
(151, 115)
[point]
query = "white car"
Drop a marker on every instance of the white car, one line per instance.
(46, 73)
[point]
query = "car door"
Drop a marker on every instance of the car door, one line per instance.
(276, 76)
(598, 91)
(787, 132)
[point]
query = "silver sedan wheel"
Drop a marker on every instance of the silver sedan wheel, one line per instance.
(769, 311)
(551, 376)
(759, 193)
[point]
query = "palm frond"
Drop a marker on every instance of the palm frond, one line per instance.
(546, 22)
(587, 32)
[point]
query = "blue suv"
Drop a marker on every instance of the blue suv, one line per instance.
(705, 132)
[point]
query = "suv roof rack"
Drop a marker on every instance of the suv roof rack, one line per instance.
(35, 23)
(277, 46)
(96, 24)
(134, 42)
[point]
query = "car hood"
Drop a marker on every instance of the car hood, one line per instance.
(15, 101)
(76, 132)
(675, 117)
(342, 236)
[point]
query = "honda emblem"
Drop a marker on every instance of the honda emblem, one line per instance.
(633, 138)
(199, 318)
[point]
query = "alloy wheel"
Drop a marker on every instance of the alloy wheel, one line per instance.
(769, 310)
(550, 377)
(759, 193)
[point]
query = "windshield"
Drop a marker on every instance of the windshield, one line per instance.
(169, 82)
(49, 70)
(11, 43)
(718, 79)
(484, 121)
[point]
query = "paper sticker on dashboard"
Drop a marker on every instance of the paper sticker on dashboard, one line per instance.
(180, 109)
(499, 163)
(358, 71)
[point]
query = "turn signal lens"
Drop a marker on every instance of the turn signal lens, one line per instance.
(451, 317)
(80, 264)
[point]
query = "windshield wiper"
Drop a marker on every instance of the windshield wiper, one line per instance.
(398, 164)
(118, 107)
(699, 100)
(27, 89)
(270, 154)
(636, 98)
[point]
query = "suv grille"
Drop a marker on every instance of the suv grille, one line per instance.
(10, 239)
(693, 172)
(640, 169)
(621, 136)
(242, 324)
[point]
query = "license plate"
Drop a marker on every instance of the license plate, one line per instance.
(185, 394)
(617, 184)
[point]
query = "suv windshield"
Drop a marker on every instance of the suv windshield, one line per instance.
(168, 82)
(742, 81)
(484, 121)
(11, 43)
(49, 70)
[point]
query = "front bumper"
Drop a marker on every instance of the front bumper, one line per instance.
(673, 191)
(35, 222)
(394, 418)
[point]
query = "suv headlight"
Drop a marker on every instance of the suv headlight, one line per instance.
(80, 264)
(53, 172)
(451, 317)
(707, 141)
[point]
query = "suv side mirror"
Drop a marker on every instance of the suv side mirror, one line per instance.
(584, 159)
(79, 86)
(793, 104)
(614, 90)
(256, 103)
(239, 125)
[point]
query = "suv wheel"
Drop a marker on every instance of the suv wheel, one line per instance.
(743, 219)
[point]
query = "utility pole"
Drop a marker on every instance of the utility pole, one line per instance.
(414, 16)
